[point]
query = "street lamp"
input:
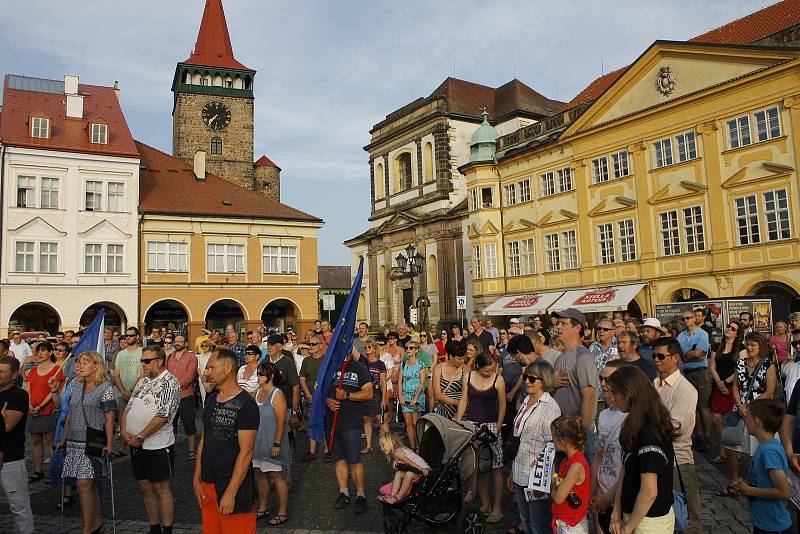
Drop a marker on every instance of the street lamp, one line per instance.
(409, 266)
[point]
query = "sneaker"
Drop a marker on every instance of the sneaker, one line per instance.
(342, 500)
(361, 505)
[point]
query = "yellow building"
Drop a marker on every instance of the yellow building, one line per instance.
(217, 254)
(677, 175)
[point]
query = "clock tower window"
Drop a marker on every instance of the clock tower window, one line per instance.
(216, 145)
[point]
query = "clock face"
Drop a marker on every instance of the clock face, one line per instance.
(216, 115)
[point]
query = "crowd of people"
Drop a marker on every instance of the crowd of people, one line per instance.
(624, 402)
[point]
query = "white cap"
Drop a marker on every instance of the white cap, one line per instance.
(514, 320)
(652, 322)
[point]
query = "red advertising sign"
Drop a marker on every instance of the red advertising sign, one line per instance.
(523, 301)
(598, 296)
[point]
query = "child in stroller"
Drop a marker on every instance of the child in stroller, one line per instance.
(409, 466)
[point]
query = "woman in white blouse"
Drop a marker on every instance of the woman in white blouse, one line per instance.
(532, 425)
(247, 377)
(202, 361)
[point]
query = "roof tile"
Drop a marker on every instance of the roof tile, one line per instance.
(264, 161)
(213, 46)
(467, 98)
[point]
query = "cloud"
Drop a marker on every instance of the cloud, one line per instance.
(328, 71)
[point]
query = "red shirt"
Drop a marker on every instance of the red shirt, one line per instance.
(569, 515)
(38, 388)
(184, 370)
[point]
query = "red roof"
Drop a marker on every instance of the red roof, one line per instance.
(264, 161)
(167, 185)
(213, 47)
(467, 98)
(756, 26)
(596, 88)
(100, 104)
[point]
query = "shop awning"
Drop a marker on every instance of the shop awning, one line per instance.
(529, 304)
(598, 299)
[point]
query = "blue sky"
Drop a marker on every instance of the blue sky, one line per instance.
(329, 70)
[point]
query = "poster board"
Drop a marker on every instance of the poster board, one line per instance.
(714, 309)
(541, 472)
(760, 309)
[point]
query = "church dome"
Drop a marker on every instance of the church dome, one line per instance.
(483, 142)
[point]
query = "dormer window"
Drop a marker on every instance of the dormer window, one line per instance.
(40, 127)
(100, 134)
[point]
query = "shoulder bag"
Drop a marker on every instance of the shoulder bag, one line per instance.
(679, 505)
(735, 432)
(95, 439)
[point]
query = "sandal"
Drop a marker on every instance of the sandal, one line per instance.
(495, 518)
(727, 492)
(262, 514)
(278, 520)
(192, 455)
(35, 477)
(388, 499)
(366, 450)
(718, 459)
(469, 497)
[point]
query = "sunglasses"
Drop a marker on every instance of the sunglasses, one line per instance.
(145, 361)
(603, 378)
(688, 318)
(603, 329)
(531, 379)
(732, 328)
(259, 373)
(130, 335)
(58, 350)
(504, 333)
(661, 357)
(381, 344)
(410, 348)
(314, 344)
(249, 353)
(796, 343)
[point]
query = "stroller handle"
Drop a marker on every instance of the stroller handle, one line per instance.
(486, 435)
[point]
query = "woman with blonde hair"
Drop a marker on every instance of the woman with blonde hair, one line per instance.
(779, 341)
(89, 434)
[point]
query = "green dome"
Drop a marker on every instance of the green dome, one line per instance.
(483, 142)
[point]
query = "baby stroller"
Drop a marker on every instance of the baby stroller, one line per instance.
(451, 450)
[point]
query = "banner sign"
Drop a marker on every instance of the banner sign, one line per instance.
(523, 301)
(542, 471)
(714, 323)
(759, 309)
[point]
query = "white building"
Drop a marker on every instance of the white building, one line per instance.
(70, 191)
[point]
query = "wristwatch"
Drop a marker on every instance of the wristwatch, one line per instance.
(276, 445)
(294, 412)
(347, 396)
(139, 438)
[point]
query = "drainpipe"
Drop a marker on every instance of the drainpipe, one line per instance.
(496, 169)
(2, 198)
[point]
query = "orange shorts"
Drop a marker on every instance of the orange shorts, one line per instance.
(216, 523)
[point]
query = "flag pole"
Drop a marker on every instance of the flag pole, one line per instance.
(336, 415)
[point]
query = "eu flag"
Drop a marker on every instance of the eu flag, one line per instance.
(341, 344)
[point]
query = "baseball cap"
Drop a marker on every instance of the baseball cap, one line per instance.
(652, 322)
(514, 320)
(516, 329)
(570, 313)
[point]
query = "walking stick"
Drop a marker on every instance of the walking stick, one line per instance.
(113, 507)
(336, 415)
(61, 504)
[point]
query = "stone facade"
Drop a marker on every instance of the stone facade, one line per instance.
(267, 182)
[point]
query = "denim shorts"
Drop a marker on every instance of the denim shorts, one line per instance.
(347, 446)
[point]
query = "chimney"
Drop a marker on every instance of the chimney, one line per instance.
(74, 100)
(200, 164)
(116, 88)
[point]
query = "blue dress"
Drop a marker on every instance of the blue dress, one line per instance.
(411, 374)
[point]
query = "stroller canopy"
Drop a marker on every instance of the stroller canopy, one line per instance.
(440, 440)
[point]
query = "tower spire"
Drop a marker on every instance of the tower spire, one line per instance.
(213, 46)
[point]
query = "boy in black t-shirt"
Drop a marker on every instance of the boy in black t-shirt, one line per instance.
(349, 396)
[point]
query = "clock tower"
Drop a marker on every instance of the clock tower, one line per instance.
(213, 108)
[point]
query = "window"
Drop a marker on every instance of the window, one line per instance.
(50, 193)
(487, 200)
(548, 184)
(205, 81)
(93, 258)
(739, 132)
(767, 124)
(569, 250)
(229, 84)
(776, 212)
(521, 259)
(24, 257)
(491, 260)
(404, 170)
(100, 134)
(627, 240)
(662, 153)
(693, 229)
(225, 258)
(48, 257)
(565, 179)
(476, 261)
(473, 200)
(687, 148)
(670, 233)
(600, 166)
(116, 196)
(746, 213)
(216, 145)
(561, 250)
(279, 260)
(524, 190)
(40, 127)
(552, 252)
(167, 257)
(94, 195)
(510, 193)
(114, 259)
(605, 240)
(26, 191)
(621, 167)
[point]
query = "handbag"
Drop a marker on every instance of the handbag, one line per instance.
(679, 503)
(734, 432)
(95, 439)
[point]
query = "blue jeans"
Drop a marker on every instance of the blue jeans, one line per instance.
(536, 516)
(14, 479)
(591, 446)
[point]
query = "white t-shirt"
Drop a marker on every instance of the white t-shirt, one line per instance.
(21, 351)
(387, 360)
(154, 397)
(609, 423)
(298, 361)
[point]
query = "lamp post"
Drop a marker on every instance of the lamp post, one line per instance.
(409, 266)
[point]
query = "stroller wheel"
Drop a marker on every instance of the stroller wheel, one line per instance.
(395, 520)
(471, 521)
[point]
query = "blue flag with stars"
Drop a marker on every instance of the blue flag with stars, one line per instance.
(341, 344)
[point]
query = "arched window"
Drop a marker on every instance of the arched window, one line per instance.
(403, 172)
(428, 163)
(216, 145)
(433, 275)
(379, 192)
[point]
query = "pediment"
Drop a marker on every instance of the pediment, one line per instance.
(472, 231)
(671, 192)
(37, 227)
(104, 230)
(611, 205)
(489, 229)
(398, 221)
(671, 70)
(757, 172)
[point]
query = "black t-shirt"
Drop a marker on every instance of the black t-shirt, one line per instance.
(3, 435)
(652, 455)
(375, 369)
(288, 370)
(16, 399)
(486, 339)
(647, 366)
(351, 413)
(403, 340)
(221, 423)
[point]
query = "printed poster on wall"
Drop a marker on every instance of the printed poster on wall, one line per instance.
(714, 321)
(760, 309)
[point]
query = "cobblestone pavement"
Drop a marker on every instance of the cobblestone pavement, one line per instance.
(311, 501)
